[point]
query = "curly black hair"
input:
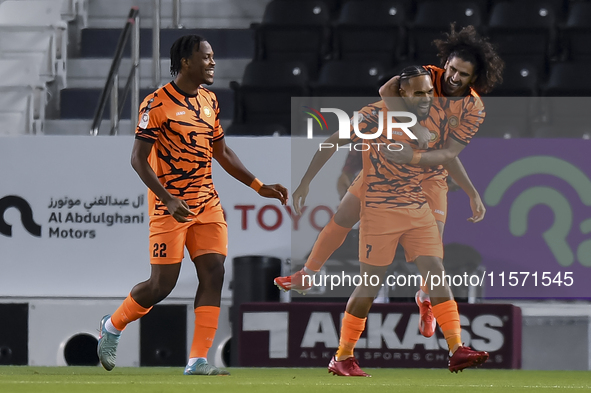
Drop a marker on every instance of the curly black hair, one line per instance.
(470, 46)
(182, 48)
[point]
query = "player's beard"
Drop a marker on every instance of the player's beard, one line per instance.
(418, 111)
(421, 117)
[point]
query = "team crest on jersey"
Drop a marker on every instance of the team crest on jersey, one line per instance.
(453, 121)
(207, 111)
(145, 119)
(359, 119)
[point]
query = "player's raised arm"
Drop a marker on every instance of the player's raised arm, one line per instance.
(353, 165)
(235, 168)
(458, 173)
(328, 147)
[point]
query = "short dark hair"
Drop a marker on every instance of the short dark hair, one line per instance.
(470, 46)
(183, 49)
(412, 71)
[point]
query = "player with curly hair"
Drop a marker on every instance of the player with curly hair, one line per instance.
(469, 66)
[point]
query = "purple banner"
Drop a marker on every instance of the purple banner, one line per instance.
(535, 240)
(307, 335)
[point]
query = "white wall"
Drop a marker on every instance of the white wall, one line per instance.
(106, 261)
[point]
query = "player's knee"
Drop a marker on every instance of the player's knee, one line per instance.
(433, 265)
(346, 219)
(212, 275)
(161, 288)
(347, 214)
(217, 272)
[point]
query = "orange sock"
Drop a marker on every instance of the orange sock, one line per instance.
(330, 238)
(351, 330)
(206, 324)
(127, 312)
(448, 319)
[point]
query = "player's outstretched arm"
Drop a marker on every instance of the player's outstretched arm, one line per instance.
(329, 146)
(353, 165)
(177, 208)
(430, 158)
(458, 173)
(235, 168)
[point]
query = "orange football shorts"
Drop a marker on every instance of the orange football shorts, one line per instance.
(207, 233)
(382, 229)
(435, 191)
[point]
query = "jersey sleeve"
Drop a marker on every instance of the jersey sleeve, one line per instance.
(473, 116)
(218, 132)
(149, 121)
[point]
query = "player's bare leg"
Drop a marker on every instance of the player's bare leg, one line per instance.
(445, 309)
(210, 272)
(142, 297)
(162, 281)
(427, 322)
(358, 306)
(329, 239)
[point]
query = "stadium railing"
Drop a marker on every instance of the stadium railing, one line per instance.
(131, 30)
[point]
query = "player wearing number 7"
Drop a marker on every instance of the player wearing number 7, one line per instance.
(394, 209)
(470, 65)
(177, 137)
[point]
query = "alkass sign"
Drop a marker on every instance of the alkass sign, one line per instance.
(307, 335)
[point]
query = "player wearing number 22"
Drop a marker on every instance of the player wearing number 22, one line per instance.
(177, 136)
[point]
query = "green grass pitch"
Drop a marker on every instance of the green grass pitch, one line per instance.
(302, 380)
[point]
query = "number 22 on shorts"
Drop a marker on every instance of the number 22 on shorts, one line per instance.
(159, 250)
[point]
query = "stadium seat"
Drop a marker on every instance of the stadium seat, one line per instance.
(433, 19)
(264, 97)
(333, 6)
(483, 5)
(72, 10)
(568, 80)
(348, 79)
(558, 6)
(519, 80)
(294, 31)
(24, 81)
(566, 117)
(14, 44)
(13, 123)
(523, 32)
(16, 105)
(202, 14)
(39, 16)
(577, 32)
(227, 43)
(370, 32)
